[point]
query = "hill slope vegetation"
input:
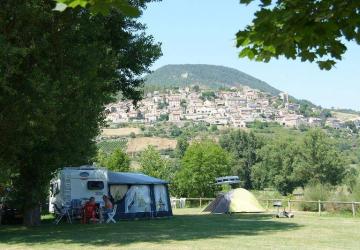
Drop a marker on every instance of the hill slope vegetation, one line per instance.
(207, 75)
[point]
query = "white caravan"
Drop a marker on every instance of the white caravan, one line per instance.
(78, 183)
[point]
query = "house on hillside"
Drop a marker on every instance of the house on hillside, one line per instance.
(314, 121)
(175, 116)
(334, 123)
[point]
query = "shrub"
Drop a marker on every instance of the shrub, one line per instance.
(314, 192)
(340, 194)
(355, 195)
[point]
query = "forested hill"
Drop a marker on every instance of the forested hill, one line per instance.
(208, 75)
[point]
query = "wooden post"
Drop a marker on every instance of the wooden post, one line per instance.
(319, 204)
(353, 208)
(289, 205)
(200, 201)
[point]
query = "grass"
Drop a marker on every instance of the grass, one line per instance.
(120, 131)
(141, 143)
(189, 229)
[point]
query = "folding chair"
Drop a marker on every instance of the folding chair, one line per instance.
(76, 208)
(111, 215)
(60, 213)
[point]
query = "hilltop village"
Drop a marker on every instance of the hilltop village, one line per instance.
(233, 107)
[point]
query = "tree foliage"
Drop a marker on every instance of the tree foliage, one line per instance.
(321, 161)
(154, 165)
(57, 71)
(101, 6)
(277, 165)
(285, 163)
(310, 30)
(243, 146)
(117, 161)
(181, 146)
(202, 163)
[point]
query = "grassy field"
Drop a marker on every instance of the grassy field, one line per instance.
(141, 143)
(345, 116)
(119, 131)
(189, 229)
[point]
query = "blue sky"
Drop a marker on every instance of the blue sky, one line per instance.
(203, 31)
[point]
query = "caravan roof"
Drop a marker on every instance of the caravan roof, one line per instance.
(132, 178)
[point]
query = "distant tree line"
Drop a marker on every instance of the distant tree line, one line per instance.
(283, 162)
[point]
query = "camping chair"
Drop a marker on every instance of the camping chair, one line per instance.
(76, 208)
(111, 215)
(60, 213)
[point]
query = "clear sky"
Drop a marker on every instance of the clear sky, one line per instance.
(203, 31)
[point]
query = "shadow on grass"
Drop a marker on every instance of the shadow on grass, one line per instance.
(177, 228)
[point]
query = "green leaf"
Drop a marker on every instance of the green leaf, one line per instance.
(60, 7)
(247, 52)
(327, 65)
(103, 6)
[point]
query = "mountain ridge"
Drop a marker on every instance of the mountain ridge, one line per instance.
(205, 74)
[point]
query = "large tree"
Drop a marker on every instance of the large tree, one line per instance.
(278, 161)
(311, 30)
(321, 160)
(57, 71)
(243, 146)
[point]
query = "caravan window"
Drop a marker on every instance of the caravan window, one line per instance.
(95, 185)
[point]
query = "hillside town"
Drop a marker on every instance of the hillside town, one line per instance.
(234, 107)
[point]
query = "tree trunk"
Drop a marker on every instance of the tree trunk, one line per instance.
(32, 216)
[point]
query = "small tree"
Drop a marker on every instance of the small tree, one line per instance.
(154, 165)
(201, 164)
(175, 131)
(164, 117)
(117, 161)
(181, 146)
(213, 128)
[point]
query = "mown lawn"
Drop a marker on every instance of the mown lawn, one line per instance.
(189, 229)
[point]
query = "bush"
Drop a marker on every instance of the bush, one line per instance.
(314, 192)
(340, 194)
(132, 135)
(355, 195)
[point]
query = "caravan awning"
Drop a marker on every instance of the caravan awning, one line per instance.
(132, 178)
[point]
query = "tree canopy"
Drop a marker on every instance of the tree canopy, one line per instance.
(243, 146)
(154, 165)
(101, 6)
(202, 163)
(57, 71)
(117, 161)
(310, 30)
(279, 160)
(322, 161)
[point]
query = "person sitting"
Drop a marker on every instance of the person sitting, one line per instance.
(108, 206)
(90, 210)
